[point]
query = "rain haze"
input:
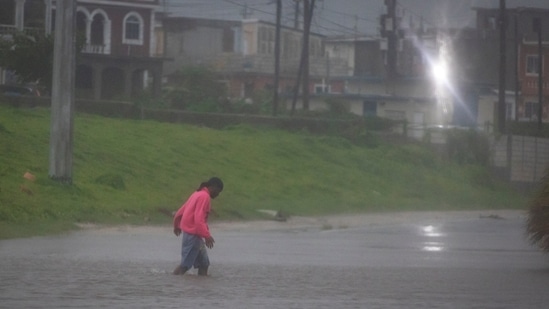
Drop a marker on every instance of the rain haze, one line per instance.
(375, 168)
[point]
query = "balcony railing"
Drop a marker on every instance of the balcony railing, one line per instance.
(94, 49)
(9, 30)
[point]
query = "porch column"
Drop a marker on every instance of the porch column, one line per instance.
(88, 30)
(128, 82)
(107, 37)
(97, 82)
(157, 83)
(20, 14)
(47, 17)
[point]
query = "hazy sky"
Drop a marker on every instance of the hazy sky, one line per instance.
(346, 17)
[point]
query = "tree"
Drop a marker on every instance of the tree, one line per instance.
(196, 88)
(29, 56)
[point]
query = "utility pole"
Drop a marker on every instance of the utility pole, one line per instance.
(245, 12)
(307, 13)
(517, 50)
(501, 110)
(62, 98)
(277, 55)
(296, 14)
(304, 60)
(537, 28)
(391, 31)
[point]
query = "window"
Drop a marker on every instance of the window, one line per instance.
(322, 88)
(531, 110)
(133, 29)
(510, 110)
(532, 64)
(395, 115)
(33, 13)
(266, 40)
(369, 108)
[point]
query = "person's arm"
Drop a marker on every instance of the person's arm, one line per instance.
(176, 224)
(177, 221)
(201, 214)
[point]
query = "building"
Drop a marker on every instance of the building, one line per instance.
(242, 54)
(120, 55)
(528, 81)
(479, 51)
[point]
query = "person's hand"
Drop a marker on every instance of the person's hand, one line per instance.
(209, 242)
(177, 231)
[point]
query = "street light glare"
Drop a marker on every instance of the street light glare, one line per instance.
(440, 72)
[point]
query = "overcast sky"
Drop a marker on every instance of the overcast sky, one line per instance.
(346, 17)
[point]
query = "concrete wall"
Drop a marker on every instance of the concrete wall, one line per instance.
(524, 159)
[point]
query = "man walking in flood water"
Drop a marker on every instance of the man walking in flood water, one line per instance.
(192, 220)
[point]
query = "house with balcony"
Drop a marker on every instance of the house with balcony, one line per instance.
(120, 57)
(23, 15)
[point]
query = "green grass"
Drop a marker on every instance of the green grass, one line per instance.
(126, 170)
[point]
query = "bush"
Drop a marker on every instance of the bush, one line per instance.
(538, 216)
(468, 147)
(195, 88)
(338, 106)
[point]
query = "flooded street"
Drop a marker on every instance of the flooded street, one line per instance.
(430, 261)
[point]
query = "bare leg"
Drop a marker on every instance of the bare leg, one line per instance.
(203, 271)
(180, 270)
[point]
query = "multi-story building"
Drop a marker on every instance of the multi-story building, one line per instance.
(528, 80)
(120, 56)
(242, 53)
(480, 51)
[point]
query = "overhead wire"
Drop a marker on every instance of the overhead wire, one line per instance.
(213, 9)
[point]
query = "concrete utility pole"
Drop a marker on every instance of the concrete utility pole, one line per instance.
(392, 38)
(307, 11)
(277, 55)
(502, 63)
(62, 98)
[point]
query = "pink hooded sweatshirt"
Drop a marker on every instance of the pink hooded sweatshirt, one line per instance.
(192, 217)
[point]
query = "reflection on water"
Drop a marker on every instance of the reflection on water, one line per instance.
(433, 246)
(431, 231)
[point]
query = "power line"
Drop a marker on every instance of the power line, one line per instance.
(351, 15)
(207, 9)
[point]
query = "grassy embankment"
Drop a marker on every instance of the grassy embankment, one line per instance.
(126, 170)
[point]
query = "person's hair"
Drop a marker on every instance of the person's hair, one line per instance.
(212, 182)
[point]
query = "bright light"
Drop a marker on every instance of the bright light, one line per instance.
(440, 72)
